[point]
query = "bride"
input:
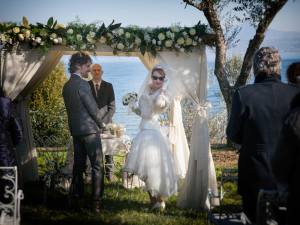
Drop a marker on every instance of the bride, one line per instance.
(150, 157)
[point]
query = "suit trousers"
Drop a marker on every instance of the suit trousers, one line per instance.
(88, 145)
(109, 159)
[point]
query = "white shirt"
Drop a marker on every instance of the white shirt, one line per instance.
(77, 74)
(96, 88)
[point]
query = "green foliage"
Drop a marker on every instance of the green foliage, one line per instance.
(47, 109)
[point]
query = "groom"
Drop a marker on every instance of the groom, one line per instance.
(85, 123)
(104, 95)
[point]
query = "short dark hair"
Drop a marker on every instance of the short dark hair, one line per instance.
(80, 59)
(292, 73)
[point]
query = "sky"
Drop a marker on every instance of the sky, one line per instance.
(153, 13)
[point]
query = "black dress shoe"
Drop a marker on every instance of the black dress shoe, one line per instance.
(110, 179)
(87, 180)
(104, 207)
(82, 207)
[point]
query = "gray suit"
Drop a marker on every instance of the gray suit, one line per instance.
(85, 123)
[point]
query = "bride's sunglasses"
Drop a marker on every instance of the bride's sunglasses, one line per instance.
(160, 78)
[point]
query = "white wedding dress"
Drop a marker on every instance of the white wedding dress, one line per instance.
(150, 157)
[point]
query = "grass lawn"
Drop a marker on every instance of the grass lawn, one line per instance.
(56, 210)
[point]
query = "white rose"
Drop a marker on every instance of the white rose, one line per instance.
(192, 31)
(56, 26)
(184, 33)
(10, 40)
(55, 40)
(63, 25)
(182, 49)
(102, 40)
(89, 38)
(43, 33)
(134, 27)
(138, 41)
(159, 42)
(168, 34)
(121, 32)
(200, 39)
(209, 31)
(59, 40)
(176, 45)
(180, 41)
(21, 37)
(172, 35)
(154, 41)
(79, 37)
(175, 29)
(70, 31)
(188, 41)
(127, 35)
(168, 43)
(120, 46)
(194, 43)
(38, 40)
(53, 35)
(149, 30)
(16, 30)
(92, 34)
(2, 37)
(109, 35)
(161, 36)
(26, 33)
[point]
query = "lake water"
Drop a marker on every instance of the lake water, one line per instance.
(127, 74)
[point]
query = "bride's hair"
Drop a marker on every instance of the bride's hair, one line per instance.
(159, 70)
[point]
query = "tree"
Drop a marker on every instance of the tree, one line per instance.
(47, 109)
(260, 13)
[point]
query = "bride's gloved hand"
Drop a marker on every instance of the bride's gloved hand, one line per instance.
(165, 84)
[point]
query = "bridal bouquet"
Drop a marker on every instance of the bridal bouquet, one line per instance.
(130, 99)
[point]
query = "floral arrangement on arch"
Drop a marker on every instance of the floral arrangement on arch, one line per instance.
(79, 36)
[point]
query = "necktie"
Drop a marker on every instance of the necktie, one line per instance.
(97, 89)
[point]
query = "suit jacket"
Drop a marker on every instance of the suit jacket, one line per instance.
(105, 100)
(83, 114)
(255, 123)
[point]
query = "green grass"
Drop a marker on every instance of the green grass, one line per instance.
(56, 210)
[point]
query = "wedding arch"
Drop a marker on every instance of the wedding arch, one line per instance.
(29, 53)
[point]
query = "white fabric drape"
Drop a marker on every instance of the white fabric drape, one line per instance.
(21, 73)
(180, 149)
(194, 85)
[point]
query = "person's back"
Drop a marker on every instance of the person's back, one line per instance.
(255, 123)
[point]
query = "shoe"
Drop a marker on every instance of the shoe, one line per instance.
(104, 207)
(87, 179)
(156, 206)
(162, 205)
(96, 210)
(110, 179)
(85, 206)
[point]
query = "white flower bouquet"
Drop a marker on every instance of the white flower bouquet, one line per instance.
(120, 129)
(111, 127)
(130, 99)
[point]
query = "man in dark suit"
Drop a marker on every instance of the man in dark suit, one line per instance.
(104, 95)
(85, 123)
(255, 123)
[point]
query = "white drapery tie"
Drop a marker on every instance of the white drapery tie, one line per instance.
(201, 109)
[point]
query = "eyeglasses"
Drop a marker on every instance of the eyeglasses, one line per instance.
(160, 78)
